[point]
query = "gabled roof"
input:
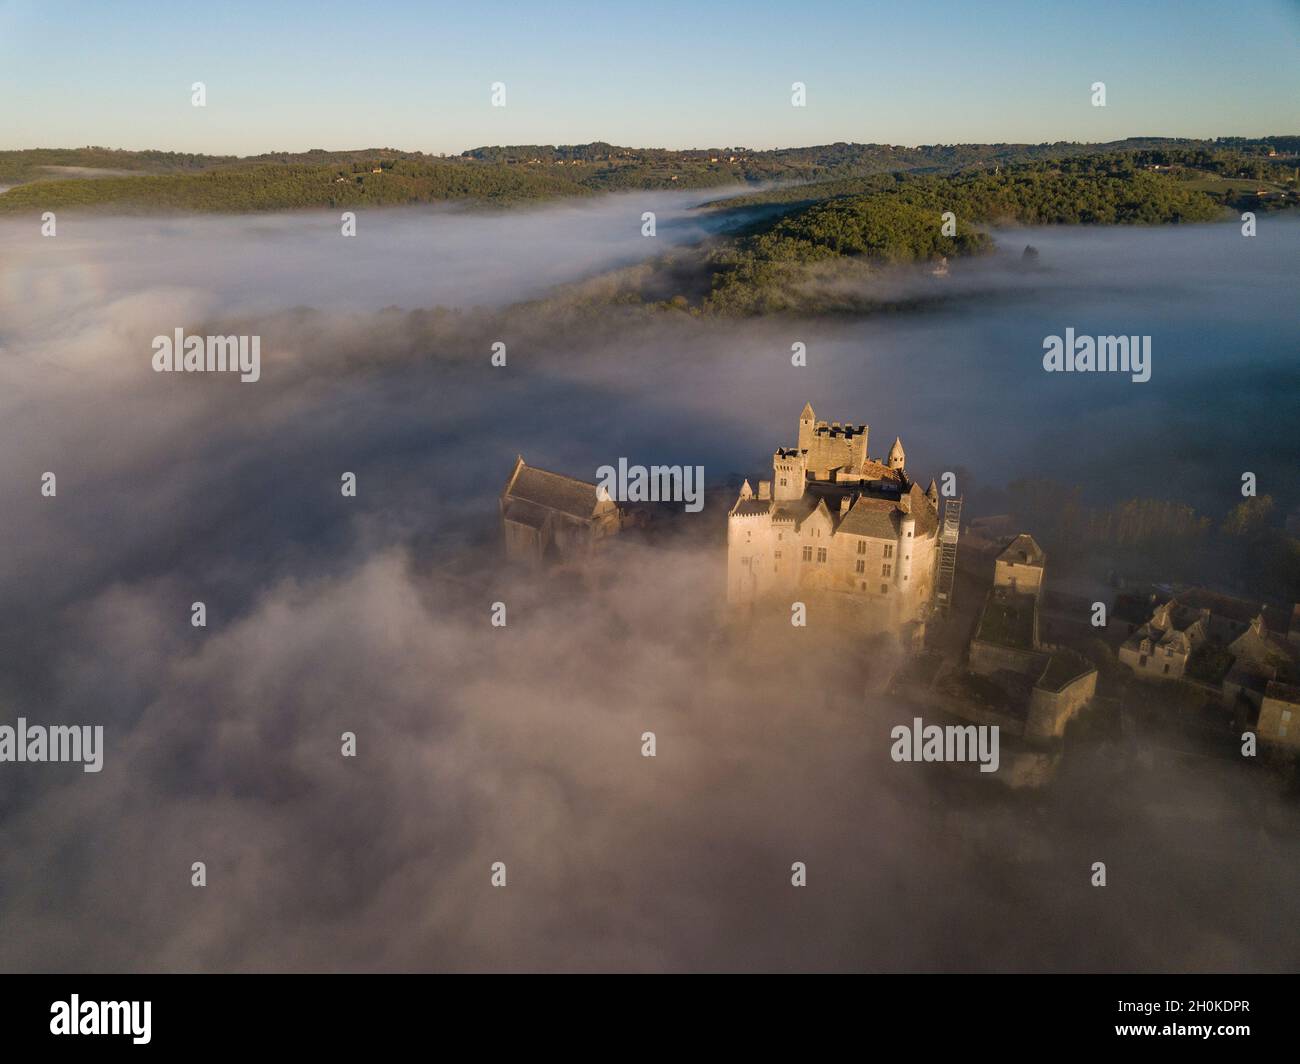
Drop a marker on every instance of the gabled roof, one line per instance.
(874, 518)
(796, 509)
(1283, 692)
(1023, 550)
(1242, 611)
(553, 491)
(870, 470)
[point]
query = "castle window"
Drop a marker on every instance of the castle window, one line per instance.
(884, 589)
(783, 482)
(749, 536)
(821, 554)
(889, 550)
(909, 535)
(807, 554)
(862, 566)
(886, 570)
(862, 547)
(864, 585)
(777, 555)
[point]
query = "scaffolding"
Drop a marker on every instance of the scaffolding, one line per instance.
(947, 553)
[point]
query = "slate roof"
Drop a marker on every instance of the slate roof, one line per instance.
(1023, 550)
(552, 491)
(870, 470)
(1063, 668)
(876, 518)
(1240, 610)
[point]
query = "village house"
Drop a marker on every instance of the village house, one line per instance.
(549, 517)
(1215, 640)
(1020, 567)
(1162, 647)
(1279, 715)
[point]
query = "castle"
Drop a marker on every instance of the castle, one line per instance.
(836, 522)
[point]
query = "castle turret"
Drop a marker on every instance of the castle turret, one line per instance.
(807, 423)
(906, 538)
(897, 459)
(932, 493)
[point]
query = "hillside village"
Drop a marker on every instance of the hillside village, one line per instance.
(984, 632)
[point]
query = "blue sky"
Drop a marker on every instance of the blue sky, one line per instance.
(710, 73)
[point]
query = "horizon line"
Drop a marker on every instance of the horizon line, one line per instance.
(647, 147)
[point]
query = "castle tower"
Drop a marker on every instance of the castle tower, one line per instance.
(897, 459)
(859, 448)
(789, 469)
(807, 423)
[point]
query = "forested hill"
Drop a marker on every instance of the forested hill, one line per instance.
(286, 186)
(893, 219)
(119, 181)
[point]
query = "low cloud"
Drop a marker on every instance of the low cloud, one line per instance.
(522, 744)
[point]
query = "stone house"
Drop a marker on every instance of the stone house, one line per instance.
(1020, 567)
(1161, 647)
(549, 517)
(1250, 654)
(1279, 715)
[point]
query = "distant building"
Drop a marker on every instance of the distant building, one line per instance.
(834, 521)
(549, 517)
(1020, 567)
